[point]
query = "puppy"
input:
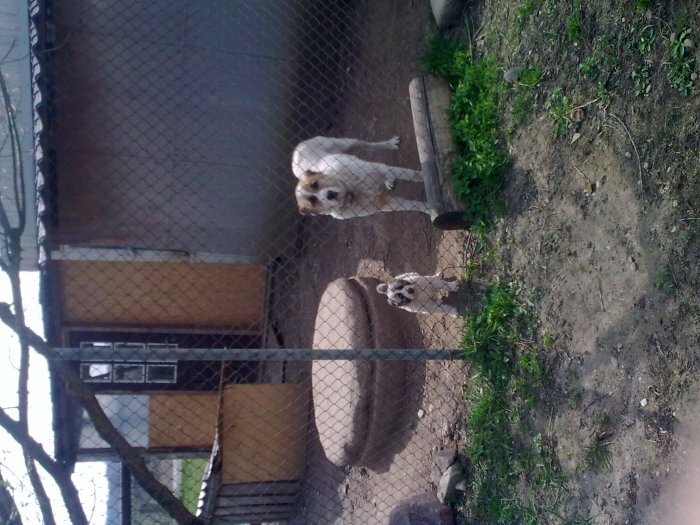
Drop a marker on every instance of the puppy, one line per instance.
(333, 181)
(419, 293)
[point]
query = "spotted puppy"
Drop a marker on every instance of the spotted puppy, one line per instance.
(419, 293)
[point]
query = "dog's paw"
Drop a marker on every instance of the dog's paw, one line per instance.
(390, 184)
(393, 142)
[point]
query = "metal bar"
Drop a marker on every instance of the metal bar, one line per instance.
(109, 455)
(126, 495)
(157, 330)
(252, 354)
(89, 253)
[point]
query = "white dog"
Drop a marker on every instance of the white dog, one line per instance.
(419, 293)
(333, 181)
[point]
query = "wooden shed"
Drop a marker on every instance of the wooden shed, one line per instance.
(165, 190)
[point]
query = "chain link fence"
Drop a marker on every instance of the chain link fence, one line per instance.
(244, 346)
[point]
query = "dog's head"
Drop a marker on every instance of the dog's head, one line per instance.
(398, 292)
(319, 194)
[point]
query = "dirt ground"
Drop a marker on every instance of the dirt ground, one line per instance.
(624, 360)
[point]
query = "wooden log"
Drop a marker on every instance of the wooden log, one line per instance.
(430, 102)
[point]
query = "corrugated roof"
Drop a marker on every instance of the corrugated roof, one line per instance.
(42, 43)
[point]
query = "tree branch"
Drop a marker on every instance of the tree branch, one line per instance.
(11, 267)
(5, 224)
(86, 397)
(39, 491)
(9, 515)
(57, 472)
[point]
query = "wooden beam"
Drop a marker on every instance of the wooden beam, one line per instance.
(430, 102)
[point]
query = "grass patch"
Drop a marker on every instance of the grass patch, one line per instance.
(665, 282)
(192, 474)
(574, 28)
(524, 12)
(476, 129)
(559, 108)
(516, 475)
(574, 399)
(476, 126)
(490, 337)
(590, 68)
(598, 455)
(524, 97)
(682, 63)
(445, 58)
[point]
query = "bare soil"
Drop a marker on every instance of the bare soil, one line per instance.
(624, 360)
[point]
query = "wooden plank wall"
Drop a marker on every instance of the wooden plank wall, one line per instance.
(162, 294)
(182, 420)
(264, 432)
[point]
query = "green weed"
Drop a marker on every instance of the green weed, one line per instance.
(678, 49)
(603, 94)
(470, 269)
(549, 8)
(548, 341)
(665, 282)
(574, 28)
(682, 64)
(590, 68)
(610, 66)
(641, 80)
(530, 373)
(445, 58)
(574, 399)
(530, 77)
(547, 471)
(646, 40)
(525, 97)
(524, 12)
(559, 107)
(598, 454)
(680, 77)
(481, 230)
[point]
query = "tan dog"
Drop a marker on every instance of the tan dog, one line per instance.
(419, 293)
(333, 181)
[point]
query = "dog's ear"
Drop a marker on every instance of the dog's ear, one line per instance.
(382, 288)
(310, 176)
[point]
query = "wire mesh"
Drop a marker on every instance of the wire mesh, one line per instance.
(181, 277)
